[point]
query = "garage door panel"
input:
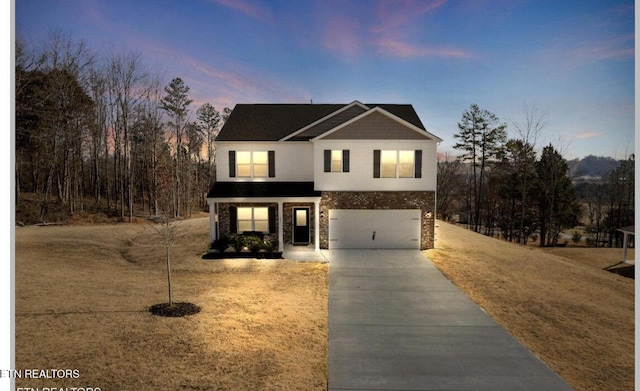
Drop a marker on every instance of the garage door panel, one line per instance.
(374, 228)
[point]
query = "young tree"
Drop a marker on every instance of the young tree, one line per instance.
(482, 140)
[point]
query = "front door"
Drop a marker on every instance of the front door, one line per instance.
(300, 225)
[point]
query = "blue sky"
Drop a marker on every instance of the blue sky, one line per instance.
(572, 59)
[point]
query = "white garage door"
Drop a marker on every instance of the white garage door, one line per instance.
(366, 228)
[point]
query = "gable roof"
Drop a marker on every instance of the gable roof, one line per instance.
(274, 122)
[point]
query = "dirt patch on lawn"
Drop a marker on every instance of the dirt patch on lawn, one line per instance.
(576, 317)
(82, 302)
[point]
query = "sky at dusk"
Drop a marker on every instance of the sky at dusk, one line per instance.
(573, 60)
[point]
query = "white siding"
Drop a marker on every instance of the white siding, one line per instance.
(294, 160)
(360, 175)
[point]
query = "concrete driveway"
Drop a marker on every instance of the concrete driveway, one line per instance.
(396, 323)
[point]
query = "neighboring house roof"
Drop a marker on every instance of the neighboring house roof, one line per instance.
(273, 122)
(263, 189)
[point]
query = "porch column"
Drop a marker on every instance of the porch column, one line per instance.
(213, 235)
(280, 227)
(316, 224)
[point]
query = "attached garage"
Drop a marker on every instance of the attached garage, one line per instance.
(367, 228)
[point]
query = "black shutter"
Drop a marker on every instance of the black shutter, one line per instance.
(233, 220)
(232, 164)
(345, 160)
(418, 162)
(272, 164)
(327, 160)
(272, 219)
(376, 163)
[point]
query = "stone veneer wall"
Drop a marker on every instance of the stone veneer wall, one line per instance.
(423, 200)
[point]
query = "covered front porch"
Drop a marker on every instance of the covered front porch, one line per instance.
(287, 210)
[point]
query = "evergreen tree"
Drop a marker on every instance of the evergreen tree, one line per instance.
(556, 196)
(176, 104)
(482, 139)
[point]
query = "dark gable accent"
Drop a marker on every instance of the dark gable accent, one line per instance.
(418, 163)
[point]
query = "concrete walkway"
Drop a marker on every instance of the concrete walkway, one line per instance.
(396, 323)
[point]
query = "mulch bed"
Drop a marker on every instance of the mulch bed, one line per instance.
(175, 310)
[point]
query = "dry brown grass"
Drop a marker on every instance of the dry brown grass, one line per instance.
(82, 295)
(577, 318)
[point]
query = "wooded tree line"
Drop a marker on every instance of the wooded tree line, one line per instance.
(101, 132)
(501, 186)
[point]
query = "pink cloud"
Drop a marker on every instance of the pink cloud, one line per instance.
(406, 50)
(250, 9)
(617, 48)
(343, 36)
(396, 14)
(587, 135)
(388, 30)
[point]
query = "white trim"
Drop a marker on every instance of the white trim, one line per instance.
(380, 110)
(326, 117)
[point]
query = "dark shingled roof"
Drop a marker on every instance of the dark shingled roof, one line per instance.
(262, 189)
(271, 122)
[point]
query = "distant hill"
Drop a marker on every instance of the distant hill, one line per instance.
(591, 167)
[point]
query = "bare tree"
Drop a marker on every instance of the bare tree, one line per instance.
(126, 90)
(529, 129)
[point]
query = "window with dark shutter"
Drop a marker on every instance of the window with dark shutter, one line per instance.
(272, 164)
(233, 219)
(418, 162)
(345, 160)
(376, 163)
(327, 160)
(272, 220)
(232, 164)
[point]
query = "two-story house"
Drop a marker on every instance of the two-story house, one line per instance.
(328, 175)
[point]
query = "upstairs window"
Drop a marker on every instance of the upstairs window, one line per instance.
(252, 164)
(388, 164)
(406, 164)
(336, 160)
(397, 164)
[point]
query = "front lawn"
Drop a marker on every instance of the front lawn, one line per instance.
(82, 300)
(576, 317)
